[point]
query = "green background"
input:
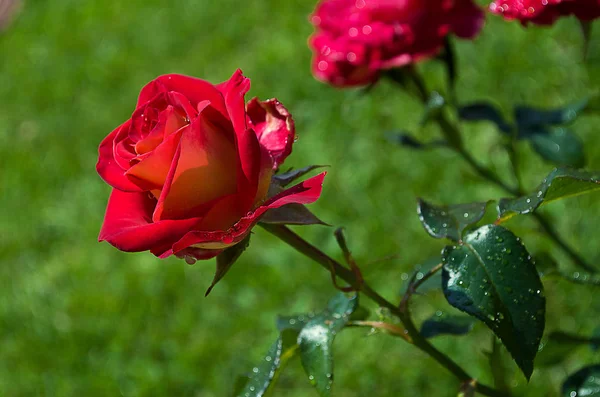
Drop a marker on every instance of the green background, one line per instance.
(80, 318)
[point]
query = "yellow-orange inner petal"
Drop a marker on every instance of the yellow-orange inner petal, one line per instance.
(206, 171)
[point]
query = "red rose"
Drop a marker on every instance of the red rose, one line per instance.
(356, 39)
(545, 12)
(191, 169)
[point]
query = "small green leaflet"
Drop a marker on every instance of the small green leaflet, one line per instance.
(316, 341)
(560, 183)
(445, 324)
(491, 276)
(449, 221)
(226, 259)
(559, 146)
(264, 374)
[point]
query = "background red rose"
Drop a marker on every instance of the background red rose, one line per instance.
(191, 169)
(545, 12)
(356, 39)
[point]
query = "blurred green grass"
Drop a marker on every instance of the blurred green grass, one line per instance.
(78, 317)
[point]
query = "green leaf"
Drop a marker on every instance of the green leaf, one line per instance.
(226, 259)
(291, 214)
(484, 111)
(405, 139)
(560, 183)
(491, 276)
(449, 220)
(585, 382)
(445, 324)
(596, 339)
(265, 373)
(316, 341)
(526, 116)
(557, 145)
(285, 178)
(296, 322)
(433, 106)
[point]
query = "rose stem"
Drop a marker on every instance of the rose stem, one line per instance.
(453, 136)
(307, 249)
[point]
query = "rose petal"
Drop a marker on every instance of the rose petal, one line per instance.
(195, 90)
(248, 147)
(151, 173)
(303, 193)
(128, 223)
(108, 168)
(274, 127)
(205, 171)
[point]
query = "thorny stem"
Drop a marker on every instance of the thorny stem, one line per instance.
(307, 249)
(453, 136)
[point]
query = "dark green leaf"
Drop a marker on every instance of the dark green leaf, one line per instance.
(316, 341)
(557, 145)
(532, 117)
(433, 106)
(585, 382)
(407, 140)
(596, 339)
(445, 324)
(484, 111)
(291, 214)
(285, 178)
(560, 183)
(296, 322)
(265, 373)
(491, 276)
(449, 220)
(226, 259)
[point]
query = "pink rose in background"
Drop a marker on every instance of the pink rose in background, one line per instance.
(545, 12)
(356, 39)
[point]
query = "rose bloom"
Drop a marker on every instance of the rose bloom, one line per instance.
(356, 39)
(545, 12)
(191, 168)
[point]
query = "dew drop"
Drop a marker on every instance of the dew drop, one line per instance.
(255, 370)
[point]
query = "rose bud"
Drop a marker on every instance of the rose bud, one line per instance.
(191, 169)
(545, 12)
(355, 40)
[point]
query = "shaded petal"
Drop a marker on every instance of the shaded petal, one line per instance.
(108, 168)
(303, 193)
(128, 223)
(274, 127)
